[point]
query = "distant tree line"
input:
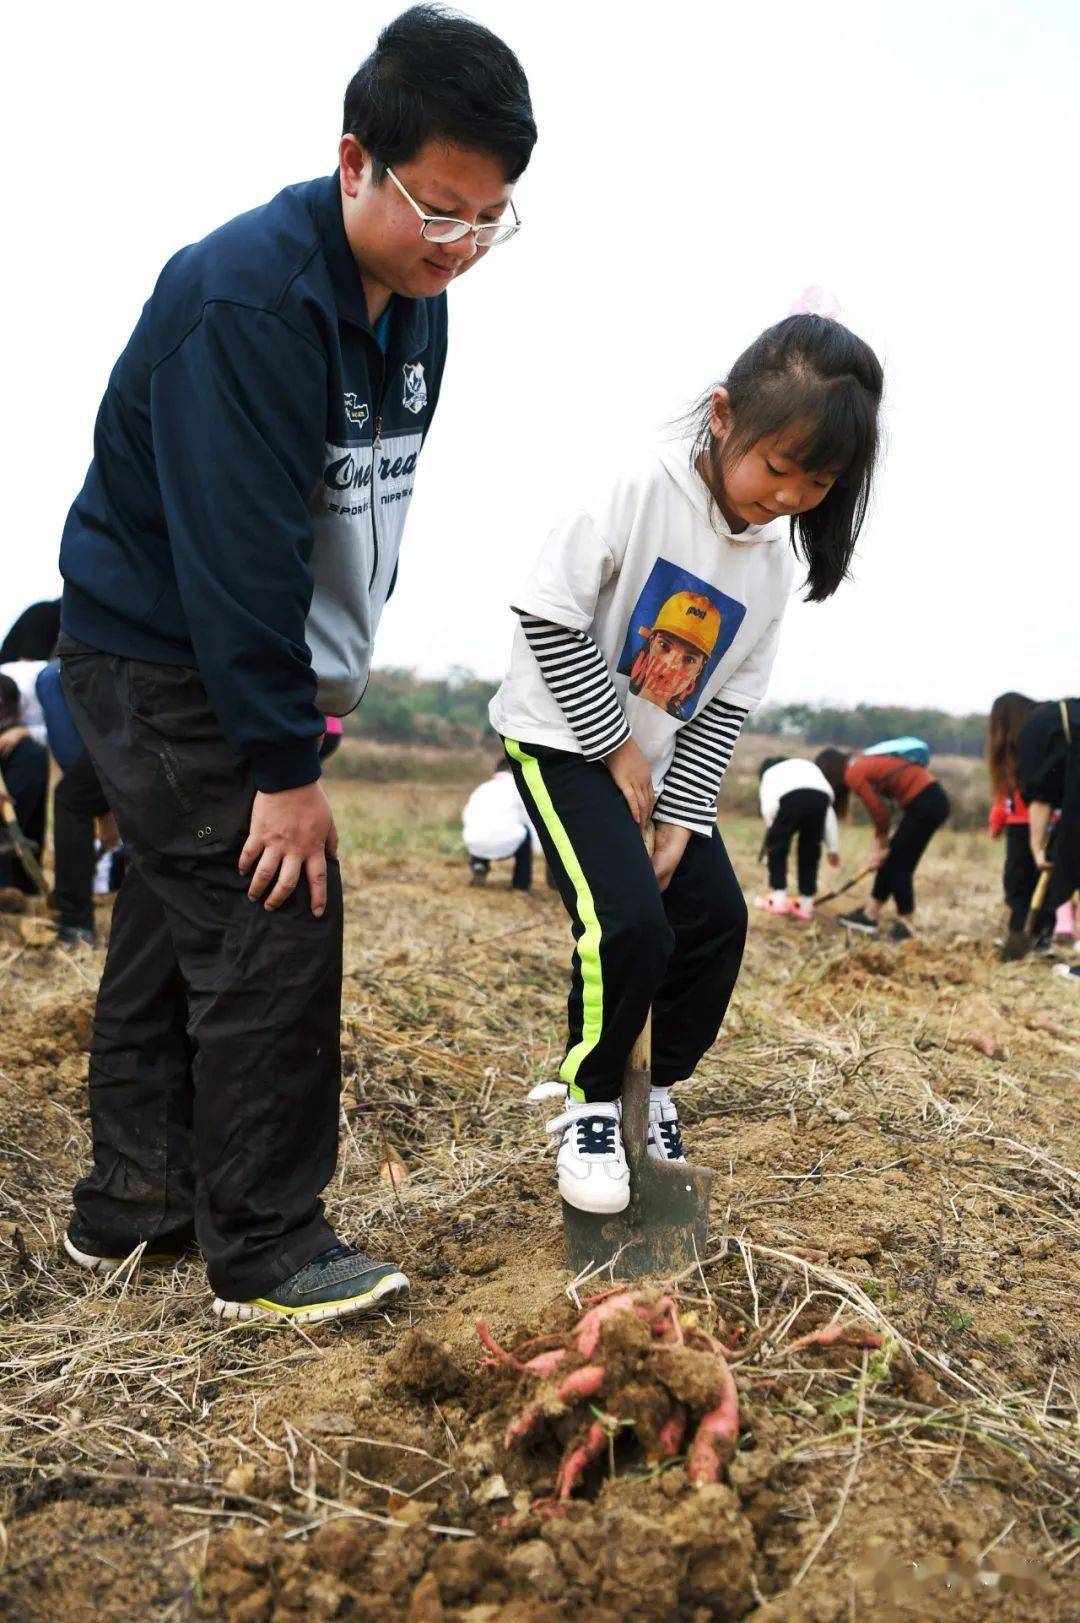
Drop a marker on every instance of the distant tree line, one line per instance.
(400, 707)
(403, 708)
(856, 726)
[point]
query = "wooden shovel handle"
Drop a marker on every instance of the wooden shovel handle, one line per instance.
(641, 1054)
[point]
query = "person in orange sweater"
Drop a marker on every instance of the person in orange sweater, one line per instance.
(923, 805)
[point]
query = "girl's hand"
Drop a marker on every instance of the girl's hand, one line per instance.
(633, 775)
(833, 859)
(670, 843)
(9, 738)
(878, 855)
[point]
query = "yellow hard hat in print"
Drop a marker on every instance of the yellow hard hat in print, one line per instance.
(692, 617)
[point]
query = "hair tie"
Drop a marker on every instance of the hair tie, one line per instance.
(814, 301)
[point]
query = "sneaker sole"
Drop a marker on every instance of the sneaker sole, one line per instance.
(108, 1265)
(863, 929)
(389, 1288)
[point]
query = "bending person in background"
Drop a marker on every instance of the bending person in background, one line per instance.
(923, 806)
(796, 800)
(78, 802)
(495, 826)
(24, 778)
(1048, 772)
(1009, 814)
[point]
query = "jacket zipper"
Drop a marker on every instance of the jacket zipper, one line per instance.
(375, 444)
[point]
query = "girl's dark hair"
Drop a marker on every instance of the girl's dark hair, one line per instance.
(34, 634)
(814, 379)
(1008, 713)
(832, 764)
(437, 76)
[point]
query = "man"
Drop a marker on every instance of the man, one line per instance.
(226, 565)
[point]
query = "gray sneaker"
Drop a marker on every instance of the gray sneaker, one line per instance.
(334, 1285)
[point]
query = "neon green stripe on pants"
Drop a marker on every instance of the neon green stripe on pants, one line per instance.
(588, 945)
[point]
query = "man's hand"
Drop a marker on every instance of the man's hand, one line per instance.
(833, 859)
(291, 831)
(670, 843)
(633, 775)
(9, 738)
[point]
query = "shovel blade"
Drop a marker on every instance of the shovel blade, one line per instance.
(665, 1227)
(662, 1231)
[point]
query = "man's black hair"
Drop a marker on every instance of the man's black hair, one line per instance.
(435, 75)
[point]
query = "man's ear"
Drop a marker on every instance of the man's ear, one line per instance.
(720, 416)
(354, 163)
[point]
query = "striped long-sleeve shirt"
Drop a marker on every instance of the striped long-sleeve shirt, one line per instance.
(574, 670)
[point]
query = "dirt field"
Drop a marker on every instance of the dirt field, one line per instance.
(874, 1168)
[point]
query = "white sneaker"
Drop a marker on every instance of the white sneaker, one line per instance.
(1068, 972)
(591, 1163)
(664, 1142)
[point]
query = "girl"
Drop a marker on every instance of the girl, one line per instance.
(1009, 813)
(924, 805)
(796, 799)
(686, 561)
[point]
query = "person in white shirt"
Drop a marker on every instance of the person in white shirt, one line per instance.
(796, 799)
(647, 631)
(495, 826)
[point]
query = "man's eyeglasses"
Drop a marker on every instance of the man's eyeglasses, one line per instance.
(438, 228)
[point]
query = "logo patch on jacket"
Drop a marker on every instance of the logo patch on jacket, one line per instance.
(356, 410)
(414, 398)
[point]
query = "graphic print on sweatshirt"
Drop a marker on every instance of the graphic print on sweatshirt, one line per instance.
(680, 629)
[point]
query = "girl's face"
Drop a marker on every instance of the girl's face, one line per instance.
(766, 482)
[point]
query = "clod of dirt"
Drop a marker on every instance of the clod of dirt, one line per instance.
(340, 1547)
(690, 1376)
(422, 1367)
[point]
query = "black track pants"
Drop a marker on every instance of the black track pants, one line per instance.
(678, 951)
(801, 812)
(215, 1065)
(921, 820)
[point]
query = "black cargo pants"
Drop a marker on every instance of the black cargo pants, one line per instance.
(215, 1066)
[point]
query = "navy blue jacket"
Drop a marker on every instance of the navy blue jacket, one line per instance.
(254, 458)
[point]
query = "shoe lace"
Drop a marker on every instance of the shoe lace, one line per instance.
(595, 1134)
(671, 1138)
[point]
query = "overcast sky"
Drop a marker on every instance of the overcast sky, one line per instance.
(698, 165)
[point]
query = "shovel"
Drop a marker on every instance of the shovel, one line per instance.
(22, 847)
(664, 1229)
(831, 895)
(1018, 943)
